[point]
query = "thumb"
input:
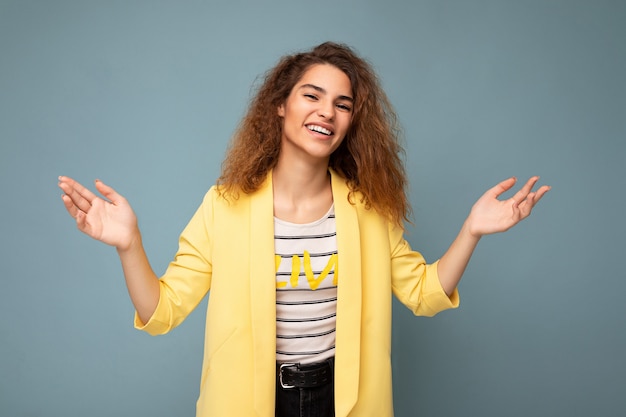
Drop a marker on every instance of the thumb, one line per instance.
(109, 192)
(503, 187)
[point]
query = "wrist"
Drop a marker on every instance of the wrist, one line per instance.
(133, 244)
(470, 231)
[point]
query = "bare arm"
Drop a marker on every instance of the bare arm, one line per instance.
(111, 220)
(488, 215)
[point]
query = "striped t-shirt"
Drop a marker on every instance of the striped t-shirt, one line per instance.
(306, 289)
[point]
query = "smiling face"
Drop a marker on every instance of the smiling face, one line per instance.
(317, 114)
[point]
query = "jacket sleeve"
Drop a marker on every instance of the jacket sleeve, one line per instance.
(188, 277)
(414, 282)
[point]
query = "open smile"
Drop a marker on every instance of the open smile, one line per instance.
(319, 129)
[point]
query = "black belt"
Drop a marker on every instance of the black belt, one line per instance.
(294, 375)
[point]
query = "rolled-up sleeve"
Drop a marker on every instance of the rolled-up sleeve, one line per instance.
(188, 277)
(414, 282)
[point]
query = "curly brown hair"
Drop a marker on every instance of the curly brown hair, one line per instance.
(369, 156)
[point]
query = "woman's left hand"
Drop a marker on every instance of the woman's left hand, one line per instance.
(490, 215)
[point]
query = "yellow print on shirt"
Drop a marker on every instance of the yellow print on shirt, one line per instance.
(314, 282)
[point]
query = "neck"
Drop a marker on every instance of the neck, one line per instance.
(302, 192)
(300, 180)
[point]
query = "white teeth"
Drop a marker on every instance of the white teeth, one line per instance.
(319, 129)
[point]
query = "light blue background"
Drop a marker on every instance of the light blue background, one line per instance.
(145, 94)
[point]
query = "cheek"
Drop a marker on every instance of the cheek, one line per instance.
(347, 125)
(339, 142)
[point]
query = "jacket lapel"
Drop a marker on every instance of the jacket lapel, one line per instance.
(263, 296)
(348, 334)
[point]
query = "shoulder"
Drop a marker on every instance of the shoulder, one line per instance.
(344, 195)
(233, 203)
(220, 195)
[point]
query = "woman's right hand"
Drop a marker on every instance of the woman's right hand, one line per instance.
(110, 220)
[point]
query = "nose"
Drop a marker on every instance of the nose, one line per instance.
(326, 109)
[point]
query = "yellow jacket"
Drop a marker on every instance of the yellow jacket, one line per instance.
(228, 247)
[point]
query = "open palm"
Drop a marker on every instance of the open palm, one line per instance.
(110, 219)
(490, 215)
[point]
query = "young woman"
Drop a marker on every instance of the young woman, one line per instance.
(300, 243)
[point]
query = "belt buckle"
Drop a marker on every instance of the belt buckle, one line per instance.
(280, 374)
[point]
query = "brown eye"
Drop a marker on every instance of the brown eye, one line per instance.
(344, 107)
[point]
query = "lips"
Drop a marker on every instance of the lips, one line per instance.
(319, 129)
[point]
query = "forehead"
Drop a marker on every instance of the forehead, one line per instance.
(328, 77)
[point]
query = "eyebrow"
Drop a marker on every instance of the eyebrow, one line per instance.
(321, 90)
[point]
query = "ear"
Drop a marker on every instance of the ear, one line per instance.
(281, 110)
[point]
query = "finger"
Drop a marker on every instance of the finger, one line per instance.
(526, 206)
(532, 199)
(77, 200)
(70, 183)
(69, 206)
(83, 191)
(541, 192)
(80, 195)
(521, 195)
(81, 222)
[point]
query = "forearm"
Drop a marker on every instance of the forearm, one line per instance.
(141, 281)
(452, 264)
